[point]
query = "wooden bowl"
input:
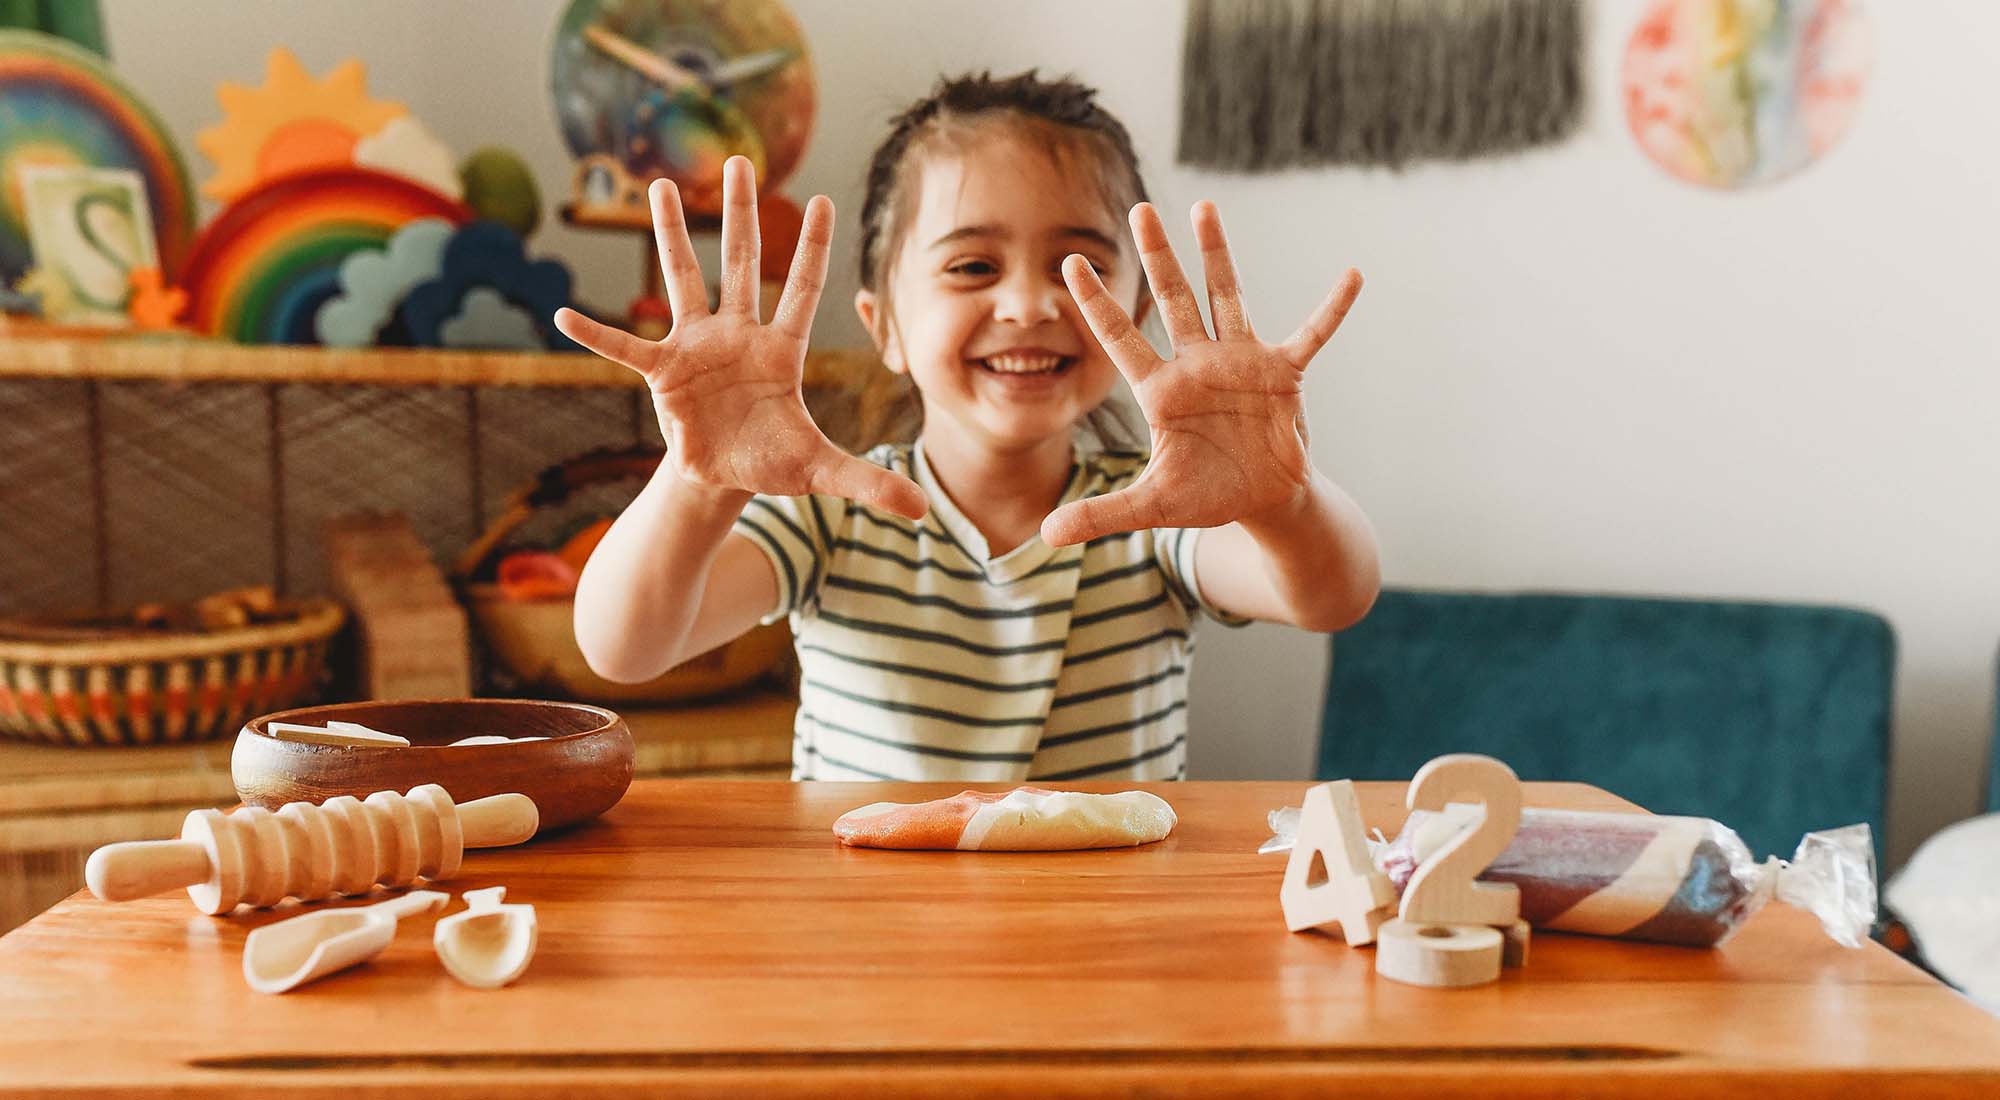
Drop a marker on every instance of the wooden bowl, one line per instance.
(580, 771)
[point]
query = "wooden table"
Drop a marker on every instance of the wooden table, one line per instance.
(709, 939)
(58, 802)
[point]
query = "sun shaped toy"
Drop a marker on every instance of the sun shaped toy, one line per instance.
(291, 124)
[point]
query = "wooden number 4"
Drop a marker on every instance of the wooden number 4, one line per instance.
(1330, 879)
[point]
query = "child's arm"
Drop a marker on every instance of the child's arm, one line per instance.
(1312, 565)
(668, 581)
(634, 619)
(1229, 443)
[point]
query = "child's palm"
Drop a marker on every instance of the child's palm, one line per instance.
(1227, 437)
(1226, 413)
(725, 386)
(727, 394)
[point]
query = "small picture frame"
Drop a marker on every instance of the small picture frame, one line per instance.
(90, 228)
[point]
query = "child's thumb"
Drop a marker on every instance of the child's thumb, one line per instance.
(1133, 508)
(844, 475)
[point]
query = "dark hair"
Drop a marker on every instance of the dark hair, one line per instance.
(1066, 114)
(1065, 109)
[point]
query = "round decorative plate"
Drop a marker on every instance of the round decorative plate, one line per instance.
(60, 104)
(1734, 93)
(651, 88)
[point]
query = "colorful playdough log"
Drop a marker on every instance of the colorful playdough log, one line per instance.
(1684, 880)
(1025, 819)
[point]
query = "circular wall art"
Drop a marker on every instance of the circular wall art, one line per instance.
(61, 105)
(651, 88)
(1735, 93)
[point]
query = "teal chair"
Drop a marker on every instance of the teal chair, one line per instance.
(1770, 718)
(1993, 755)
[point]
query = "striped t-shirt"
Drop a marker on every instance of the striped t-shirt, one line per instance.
(924, 659)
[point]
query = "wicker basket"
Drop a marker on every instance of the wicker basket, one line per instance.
(535, 641)
(93, 689)
(855, 401)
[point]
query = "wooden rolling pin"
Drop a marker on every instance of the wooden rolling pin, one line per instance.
(346, 846)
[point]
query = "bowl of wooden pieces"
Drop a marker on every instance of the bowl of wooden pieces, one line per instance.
(574, 760)
(161, 672)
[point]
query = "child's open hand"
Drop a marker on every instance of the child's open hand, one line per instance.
(725, 385)
(1228, 426)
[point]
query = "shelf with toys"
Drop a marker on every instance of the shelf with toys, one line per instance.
(361, 326)
(34, 350)
(359, 323)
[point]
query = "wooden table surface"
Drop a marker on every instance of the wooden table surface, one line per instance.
(711, 938)
(58, 802)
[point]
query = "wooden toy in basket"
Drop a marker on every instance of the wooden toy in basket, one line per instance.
(529, 628)
(411, 635)
(574, 761)
(103, 682)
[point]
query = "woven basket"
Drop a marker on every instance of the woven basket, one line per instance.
(537, 642)
(854, 399)
(535, 639)
(151, 688)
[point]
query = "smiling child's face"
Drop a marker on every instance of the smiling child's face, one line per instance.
(977, 310)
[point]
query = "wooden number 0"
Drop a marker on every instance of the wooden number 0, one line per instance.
(1443, 891)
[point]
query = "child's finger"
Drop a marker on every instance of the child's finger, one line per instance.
(1179, 312)
(1324, 321)
(842, 475)
(1095, 517)
(686, 293)
(1225, 293)
(1129, 351)
(617, 345)
(739, 237)
(794, 316)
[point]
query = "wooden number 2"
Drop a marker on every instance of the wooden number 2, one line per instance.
(1443, 891)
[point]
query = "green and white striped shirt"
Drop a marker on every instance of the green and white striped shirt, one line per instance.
(924, 659)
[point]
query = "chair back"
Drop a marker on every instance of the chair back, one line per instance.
(1770, 718)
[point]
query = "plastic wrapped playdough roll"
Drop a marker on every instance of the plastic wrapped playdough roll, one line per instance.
(1024, 819)
(1684, 880)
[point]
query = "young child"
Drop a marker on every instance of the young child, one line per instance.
(1000, 601)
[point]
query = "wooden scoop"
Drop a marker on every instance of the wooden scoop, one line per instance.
(290, 953)
(489, 944)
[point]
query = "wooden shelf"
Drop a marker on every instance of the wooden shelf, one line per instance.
(24, 354)
(632, 219)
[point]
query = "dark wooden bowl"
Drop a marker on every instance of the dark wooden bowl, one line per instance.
(581, 771)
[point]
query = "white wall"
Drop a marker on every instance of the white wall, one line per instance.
(1568, 371)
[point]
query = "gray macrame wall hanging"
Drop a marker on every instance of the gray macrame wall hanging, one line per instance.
(1270, 84)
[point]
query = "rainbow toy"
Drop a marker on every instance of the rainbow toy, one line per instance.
(61, 105)
(260, 272)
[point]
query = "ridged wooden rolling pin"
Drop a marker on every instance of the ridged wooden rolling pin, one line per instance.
(346, 846)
